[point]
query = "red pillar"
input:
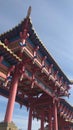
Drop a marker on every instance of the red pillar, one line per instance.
(11, 101)
(71, 128)
(42, 121)
(30, 119)
(1, 59)
(62, 124)
(50, 120)
(55, 117)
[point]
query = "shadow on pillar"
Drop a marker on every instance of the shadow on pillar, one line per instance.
(8, 126)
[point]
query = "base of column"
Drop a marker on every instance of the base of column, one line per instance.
(8, 126)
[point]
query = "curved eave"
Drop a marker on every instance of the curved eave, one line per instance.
(14, 32)
(35, 39)
(46, 53)
(8, 54)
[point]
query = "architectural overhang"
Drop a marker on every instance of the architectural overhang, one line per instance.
(15, 33)
(47, 68)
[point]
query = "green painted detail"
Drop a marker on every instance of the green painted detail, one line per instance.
(6, 63)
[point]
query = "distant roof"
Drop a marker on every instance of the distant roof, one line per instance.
(65, 103)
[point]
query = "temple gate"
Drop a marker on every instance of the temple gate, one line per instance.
(31, 77)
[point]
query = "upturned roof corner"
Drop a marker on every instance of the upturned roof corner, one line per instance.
(29, 12)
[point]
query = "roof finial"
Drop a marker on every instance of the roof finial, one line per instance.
(29, 12)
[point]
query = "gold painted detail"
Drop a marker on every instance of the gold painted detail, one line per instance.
(9, 50)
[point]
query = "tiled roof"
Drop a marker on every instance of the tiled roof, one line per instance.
(11, 34)
(8, 54)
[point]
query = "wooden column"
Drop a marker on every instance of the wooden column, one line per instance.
(30, 119)
(11, 101)
(50, 119)
(55, 116)
(1, 59)
(42, 121)
(62, 124)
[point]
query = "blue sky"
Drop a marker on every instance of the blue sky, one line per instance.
(53, 22)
